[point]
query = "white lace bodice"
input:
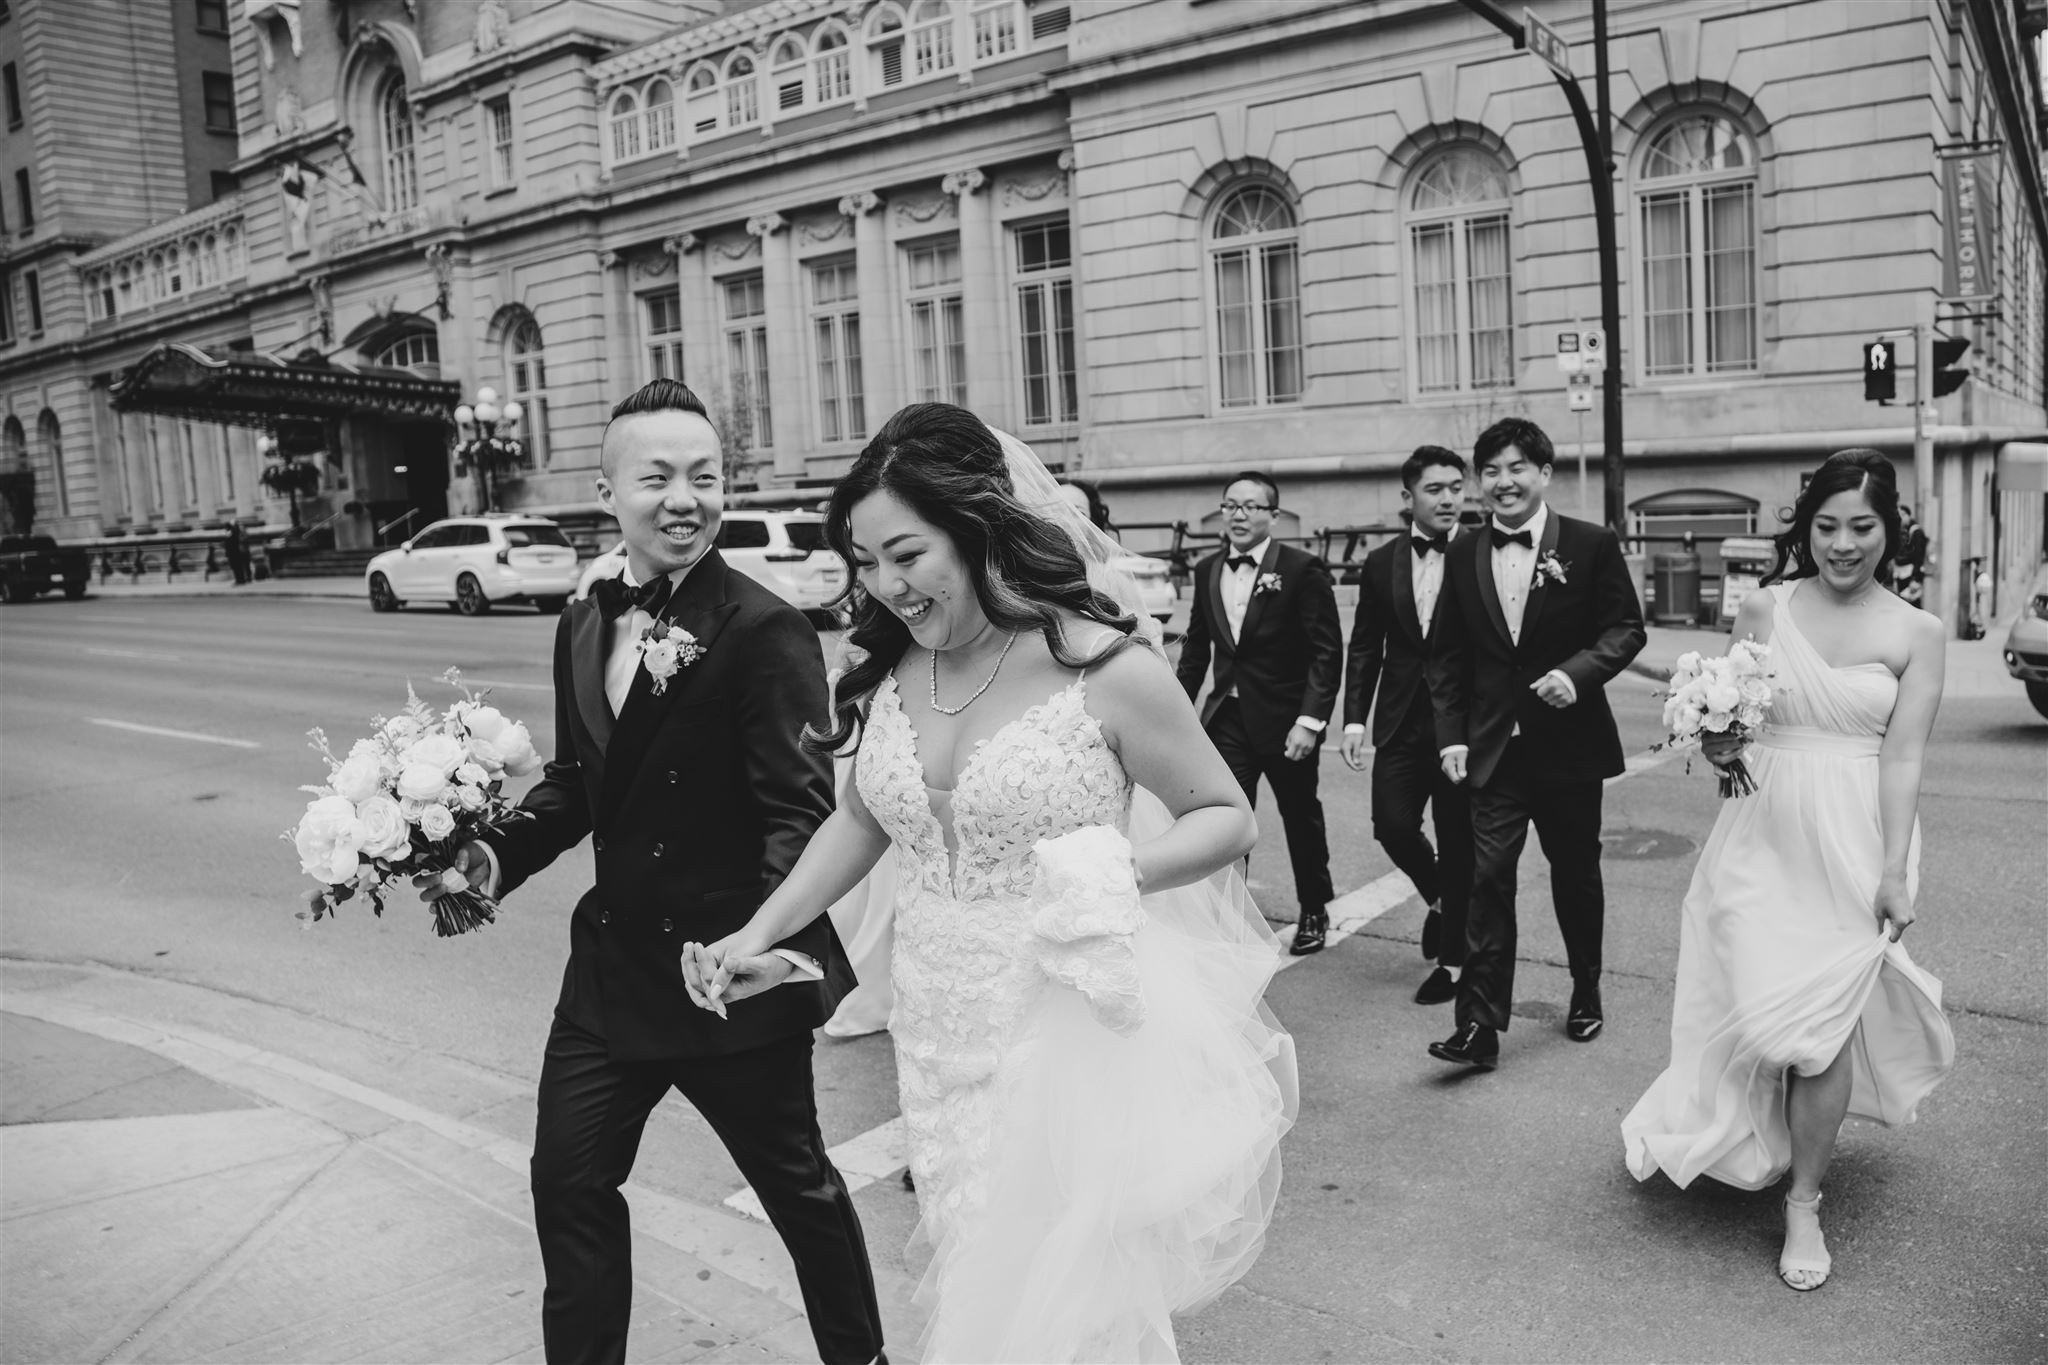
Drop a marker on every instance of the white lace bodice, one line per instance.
(971, 950)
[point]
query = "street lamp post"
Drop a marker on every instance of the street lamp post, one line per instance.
(484, 439)
(285, 474)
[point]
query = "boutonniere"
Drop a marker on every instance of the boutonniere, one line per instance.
(1550, 567)
(1268, 582)
(666, 648)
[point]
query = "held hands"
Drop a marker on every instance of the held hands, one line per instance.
(1894, 904)
(726, 971)
(1553, 690)
(1301, 742)
(472, 869)
(1354, 750)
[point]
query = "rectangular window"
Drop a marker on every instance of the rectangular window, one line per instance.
(995, 29)
(191, 466)
(222, 184)
(938, 340)
(835, 334)
(1045, 322)
(212, 15)
(1436, 303)
(746, 361)
(1667, 283)
(10, 76)
(662, 313)
(6, 306)
(32, 286)
(23, 198)
(156, 462)
(498, 133)
(1463, 332)
(1727, 215)
(225, 449)
(217, 88)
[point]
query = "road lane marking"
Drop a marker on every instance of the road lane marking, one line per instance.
(135, 654)
(172, 734)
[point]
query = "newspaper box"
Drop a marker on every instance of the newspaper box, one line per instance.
(1744, 562)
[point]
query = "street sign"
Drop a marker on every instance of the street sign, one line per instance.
(1581, 392)
(1552, 50)
(1570, 359)
(1593, 349)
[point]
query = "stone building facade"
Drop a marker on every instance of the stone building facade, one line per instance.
(1161, 240)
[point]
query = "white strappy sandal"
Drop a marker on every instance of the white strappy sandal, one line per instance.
(1800, 1217)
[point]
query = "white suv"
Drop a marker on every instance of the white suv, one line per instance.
(784, 552)
(473, 563)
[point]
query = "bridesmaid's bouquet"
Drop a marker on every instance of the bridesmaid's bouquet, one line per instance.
(1725, 696)
(404, 799)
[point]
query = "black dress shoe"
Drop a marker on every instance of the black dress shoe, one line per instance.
(1473, 1045)
(1432, 932)
(1585, 1021)
(1309, 932)
(1436, 988)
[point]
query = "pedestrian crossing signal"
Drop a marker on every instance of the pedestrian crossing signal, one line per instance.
(1880, 379)
(1947, 351)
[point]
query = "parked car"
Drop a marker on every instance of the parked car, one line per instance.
(1155, 583)
(31, 565)
(784, 552)
(2026, 648)
(475, 563)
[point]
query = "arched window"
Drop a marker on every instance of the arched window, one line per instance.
(885, 48)
(1254, 265)
(124, 290)
(998, 28)
(786, 71)
(209, 260)
(408, 351)
(660, 116)
(159, 278)
(1696, 224)
(50, 437)
(231, 254)
(401, 171)
(742, 92)
(13, 443)
(624, 121)
(831, 65)
(526, 379)
(931, 38)
(1457, 207)
(702, 103)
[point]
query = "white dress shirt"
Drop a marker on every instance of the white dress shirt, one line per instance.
(1514, 575)
(1237, 587)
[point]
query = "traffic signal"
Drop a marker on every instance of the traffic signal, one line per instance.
(1947, 351)
(1880, 378)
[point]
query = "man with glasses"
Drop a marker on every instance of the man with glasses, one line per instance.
(1268, 613)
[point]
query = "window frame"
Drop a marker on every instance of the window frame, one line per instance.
(658, 120)
(745, 340)
(789, 57)
(1261, 244)
(839, 57)
(1062, 384)
(32, 291)
(525, 375)
(201, 9)
(886, 26)
(1459, 219)
(661, 347)
(217, 95)
(1693, 187)
(700, 95)
(623, 141)
(946, 300)
(942, 30)
(24, 197)
(499, 176)
(399, 158)
(839, 378)
(10, 77)
(1019, 26)
(742, 89)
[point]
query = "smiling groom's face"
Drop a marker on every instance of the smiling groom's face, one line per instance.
(664, 480)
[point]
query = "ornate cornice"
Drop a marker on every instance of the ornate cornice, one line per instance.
(958, 183)
(682, 244)
(753, 27)
(860, 203)
(766, 224)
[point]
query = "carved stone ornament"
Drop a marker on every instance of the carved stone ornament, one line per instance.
(682, 244)
(736, 248)
(262, 14)
(1030, 189)
(815, 230)
(653, 264)
(288, 117)
(860, 203)
(916, 212)
(493, 27)
(322, 291)
(607, 259)
(442, 262)
(958, 183)
(766, 224)
(1067, 160)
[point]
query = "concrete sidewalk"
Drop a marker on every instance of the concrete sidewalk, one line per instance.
(186, 1175)
(340, 585)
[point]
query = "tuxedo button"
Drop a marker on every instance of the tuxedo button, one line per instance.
(657, 850)
(598, 843)
(604, 917)
(668, 926)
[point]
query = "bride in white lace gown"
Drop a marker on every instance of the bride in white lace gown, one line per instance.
(1093, 1090)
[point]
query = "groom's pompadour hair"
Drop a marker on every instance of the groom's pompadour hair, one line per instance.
(656, 395)
(1519, 432)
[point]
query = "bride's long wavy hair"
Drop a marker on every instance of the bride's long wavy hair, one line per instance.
(1860, 470)
(947, 466)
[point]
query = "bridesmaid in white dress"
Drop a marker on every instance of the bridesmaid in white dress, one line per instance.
(1796, 1004)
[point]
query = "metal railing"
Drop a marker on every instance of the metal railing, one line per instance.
(401, 520)
(201, 552)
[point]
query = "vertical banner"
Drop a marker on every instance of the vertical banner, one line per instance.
(1970, 223)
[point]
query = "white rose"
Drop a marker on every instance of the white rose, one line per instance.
(1751, 717)
(1688, 662)
(422, 781)
(1721, 695)
(401, 731)
(1718, 721)
(660, 657)
(328, 838)
(485, 722)
(445, 752)
(437, 821)
(486, 755)
(358, 779)
(470, 775)
(1755, 691)
(384, 828)
(520, 755)
(470, 798)
(1689, 718)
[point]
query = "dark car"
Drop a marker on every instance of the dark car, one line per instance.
(32, 565)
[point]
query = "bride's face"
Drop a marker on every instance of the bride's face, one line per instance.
(1847, 542)
(914, 569)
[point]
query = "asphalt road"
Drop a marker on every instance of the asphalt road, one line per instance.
(150, 752)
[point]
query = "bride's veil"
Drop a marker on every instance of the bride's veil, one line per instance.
(1039, 492)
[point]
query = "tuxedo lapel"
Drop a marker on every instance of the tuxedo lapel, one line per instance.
(588, 652)
(1255, 605)
(1489, 591)
(1542, 589)
(1219, 620)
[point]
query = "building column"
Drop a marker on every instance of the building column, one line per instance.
(981, 273)
(783, 303)
(615, 370)
(699, 310)
(881, 352)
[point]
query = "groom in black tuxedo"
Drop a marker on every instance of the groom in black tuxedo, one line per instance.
(1400, 601)
(1539, 613)
(700, 798)
(1268, 613)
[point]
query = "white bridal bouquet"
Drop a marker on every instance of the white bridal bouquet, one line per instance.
(403, 800)
(1729, 695)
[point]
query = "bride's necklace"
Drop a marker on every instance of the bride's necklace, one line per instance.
(956, 710)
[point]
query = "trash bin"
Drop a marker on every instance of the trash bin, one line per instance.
(1677, 577)
(1744, 562)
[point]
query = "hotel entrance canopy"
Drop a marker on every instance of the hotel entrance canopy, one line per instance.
(257, 389)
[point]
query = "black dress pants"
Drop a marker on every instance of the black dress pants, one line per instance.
(1567, 820)
(1294, 790)
(761, 1105)
(1407, 775)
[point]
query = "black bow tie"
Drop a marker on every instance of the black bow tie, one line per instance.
(1236, 562)
(615, 597)
(1423, 545)
(1521, 538)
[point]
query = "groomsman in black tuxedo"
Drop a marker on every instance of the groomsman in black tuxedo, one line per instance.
(1400, 597)
(1268, 613)
(1539, 612)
